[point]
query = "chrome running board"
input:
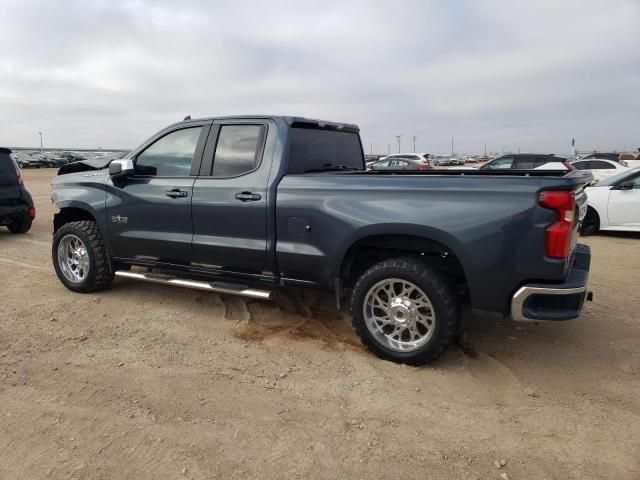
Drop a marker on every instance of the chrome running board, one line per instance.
(218, 287)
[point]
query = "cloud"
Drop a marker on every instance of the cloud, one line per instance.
(529, 75)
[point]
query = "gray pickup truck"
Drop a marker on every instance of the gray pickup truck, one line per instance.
(245, 205)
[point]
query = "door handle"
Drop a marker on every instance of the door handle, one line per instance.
(248, 196)
(175, 193)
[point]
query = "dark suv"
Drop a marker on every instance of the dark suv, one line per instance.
(16, 205)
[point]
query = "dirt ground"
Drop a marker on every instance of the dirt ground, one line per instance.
(146, 381)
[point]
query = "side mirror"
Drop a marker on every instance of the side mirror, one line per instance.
(628, 185)
(121, 168)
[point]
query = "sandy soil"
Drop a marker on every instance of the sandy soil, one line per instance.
(146, 381)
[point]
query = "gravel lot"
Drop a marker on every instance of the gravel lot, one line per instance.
(147, 381)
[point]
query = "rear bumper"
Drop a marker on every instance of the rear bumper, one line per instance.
(8, 213)
(539, 301)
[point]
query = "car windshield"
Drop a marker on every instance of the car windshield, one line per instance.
(616, 178)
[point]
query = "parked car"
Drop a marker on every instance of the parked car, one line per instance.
(31, 162)
(600, 168)
(441, 160)
(400, 163)
(16, 205)
(424, 157)
(527, 161)
(608, 156)
(614, 204)
(246, 205)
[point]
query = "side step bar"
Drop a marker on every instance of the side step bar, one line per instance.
(218, 287)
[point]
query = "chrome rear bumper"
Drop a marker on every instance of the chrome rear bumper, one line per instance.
(538, 302)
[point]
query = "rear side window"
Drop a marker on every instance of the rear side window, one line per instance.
(171, 155)
(600, 165)
(317, 150)
(237, 150)
(584, 165)
(526, 163)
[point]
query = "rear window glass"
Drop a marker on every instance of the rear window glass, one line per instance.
(8, 172)
(313, 149)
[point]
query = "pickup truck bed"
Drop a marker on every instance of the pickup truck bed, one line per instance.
(279, 201)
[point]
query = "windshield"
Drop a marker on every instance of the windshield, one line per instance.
(317, 150)
(618, 177)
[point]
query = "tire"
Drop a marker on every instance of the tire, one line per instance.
(94, 258)
(591, 223)
(442, 303)
(20, 226)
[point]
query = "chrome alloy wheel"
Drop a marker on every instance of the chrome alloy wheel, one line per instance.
(73, 258)
(399, 315)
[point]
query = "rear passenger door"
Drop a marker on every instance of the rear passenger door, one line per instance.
(230, 198)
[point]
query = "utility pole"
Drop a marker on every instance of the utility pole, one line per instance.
(414, 138)
(41, 149)
(389, 149)
(451, 146)
(371, 149)
(398, 137)
(485, 149)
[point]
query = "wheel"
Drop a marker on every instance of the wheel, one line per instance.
(591, 223)
(405, 311)
(20, 226)
(80, 257)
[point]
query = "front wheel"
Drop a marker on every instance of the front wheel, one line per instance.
(80, 257)
(405, 311)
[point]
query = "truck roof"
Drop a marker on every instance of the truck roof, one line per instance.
(292, 121)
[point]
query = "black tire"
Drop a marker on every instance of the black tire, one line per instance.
(591, 223)
(20, 226)
(99, 275)
(433, 284)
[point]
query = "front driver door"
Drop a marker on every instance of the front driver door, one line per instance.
(624, 206)
(149, 213)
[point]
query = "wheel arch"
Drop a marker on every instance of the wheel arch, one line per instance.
(73, 212)
(371, 245)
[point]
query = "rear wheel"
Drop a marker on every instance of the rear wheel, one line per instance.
(20, 226)
(405, 310)
(80, 257)
(591, 223)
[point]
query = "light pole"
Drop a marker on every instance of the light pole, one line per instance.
(398, 137)
(41, 149)
(414, 138)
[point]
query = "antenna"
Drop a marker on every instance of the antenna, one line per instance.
(188, 117)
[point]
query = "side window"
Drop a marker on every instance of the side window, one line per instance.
(636, 183)
(524, 163)
(500, 163)
(171, 155)
(236, 150)
(600, 165)
(584, 165)
(402, 164)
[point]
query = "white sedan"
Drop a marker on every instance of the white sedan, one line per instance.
(599, 167)
(614, 204)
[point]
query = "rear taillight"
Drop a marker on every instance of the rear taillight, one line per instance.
(32, 212)
(559, 235)
(569, 166)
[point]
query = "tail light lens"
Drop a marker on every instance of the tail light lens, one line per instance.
(559, 235)
(32, 212)
(569, 166)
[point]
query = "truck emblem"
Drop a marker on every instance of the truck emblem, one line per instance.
(119, 219)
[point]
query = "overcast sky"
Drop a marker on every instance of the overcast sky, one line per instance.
(511, 74)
